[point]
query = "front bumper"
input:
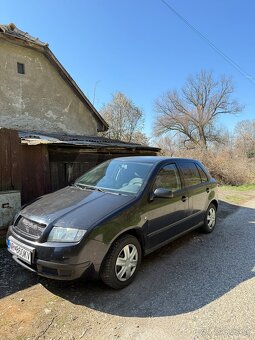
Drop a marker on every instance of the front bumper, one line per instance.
(58, 271)
(62, 261)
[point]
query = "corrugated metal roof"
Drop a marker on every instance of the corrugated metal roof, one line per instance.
(33, 138)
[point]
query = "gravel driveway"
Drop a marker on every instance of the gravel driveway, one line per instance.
(198, 287)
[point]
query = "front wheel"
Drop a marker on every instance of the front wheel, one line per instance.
(210, 219)
(122, 262)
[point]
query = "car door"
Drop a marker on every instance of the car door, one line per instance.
(196, 182)
(166, 216)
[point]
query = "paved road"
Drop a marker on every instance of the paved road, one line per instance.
(199, 287)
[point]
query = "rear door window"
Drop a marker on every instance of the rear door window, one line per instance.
(202, 174)
(190, 174)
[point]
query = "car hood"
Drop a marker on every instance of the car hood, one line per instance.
(74, 207)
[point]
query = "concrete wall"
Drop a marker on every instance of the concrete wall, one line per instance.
(40, 99)
(10, 204)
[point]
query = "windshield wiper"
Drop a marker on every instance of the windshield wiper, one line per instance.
(90, 187)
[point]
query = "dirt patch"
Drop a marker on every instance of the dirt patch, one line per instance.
(21, 311)
(37, 313)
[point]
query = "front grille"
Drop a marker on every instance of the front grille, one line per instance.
(31, 228)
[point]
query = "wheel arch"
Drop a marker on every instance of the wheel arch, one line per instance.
(136, 232)
(215, 203)
(107, 270)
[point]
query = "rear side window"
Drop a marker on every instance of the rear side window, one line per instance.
(168, 178)
(202, 174)
(190, 174)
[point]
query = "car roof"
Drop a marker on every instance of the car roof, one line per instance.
(154, 159)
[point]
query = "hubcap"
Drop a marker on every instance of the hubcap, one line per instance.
(126, 262)
(211, 218)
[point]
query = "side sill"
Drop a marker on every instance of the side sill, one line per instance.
(175, 224)
(162, 244)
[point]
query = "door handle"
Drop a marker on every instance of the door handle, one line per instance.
(207, 190)
(184, 198)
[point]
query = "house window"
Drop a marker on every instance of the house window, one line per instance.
(21, 68)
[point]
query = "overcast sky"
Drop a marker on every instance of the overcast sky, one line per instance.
(141, 48)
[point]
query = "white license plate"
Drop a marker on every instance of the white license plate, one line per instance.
(18, 249)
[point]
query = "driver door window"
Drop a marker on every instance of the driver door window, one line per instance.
(168, 178)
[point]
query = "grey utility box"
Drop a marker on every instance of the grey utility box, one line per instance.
(10, 204)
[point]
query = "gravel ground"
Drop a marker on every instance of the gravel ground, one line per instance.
(198, 287)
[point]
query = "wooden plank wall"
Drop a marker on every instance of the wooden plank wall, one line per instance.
(10, 160)
(35, 172)
(67, 164)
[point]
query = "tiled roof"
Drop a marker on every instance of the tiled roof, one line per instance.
(12, 30)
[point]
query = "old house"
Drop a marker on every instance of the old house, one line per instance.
(37, 93)
(48, 127)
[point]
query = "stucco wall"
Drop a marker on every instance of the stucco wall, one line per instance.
(40, 99)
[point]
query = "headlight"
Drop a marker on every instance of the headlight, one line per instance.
(59, 234)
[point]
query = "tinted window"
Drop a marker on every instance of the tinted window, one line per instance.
(191, 174)
(168, 178)
(202, 174)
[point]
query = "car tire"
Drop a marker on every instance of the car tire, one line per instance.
(122, 262)
(210, 219)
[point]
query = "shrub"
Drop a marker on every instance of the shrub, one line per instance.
(225, 166)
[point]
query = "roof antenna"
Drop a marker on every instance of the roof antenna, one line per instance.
(94, 94)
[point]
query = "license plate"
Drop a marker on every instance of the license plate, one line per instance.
(18, 249)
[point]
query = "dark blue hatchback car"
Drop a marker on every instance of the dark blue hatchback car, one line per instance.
(111, 216)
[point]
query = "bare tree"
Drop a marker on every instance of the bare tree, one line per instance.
(244, 135)
(167, 145)
(192, 112)
(140, 138)
(125, 120)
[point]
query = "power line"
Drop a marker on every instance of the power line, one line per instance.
(211, 44)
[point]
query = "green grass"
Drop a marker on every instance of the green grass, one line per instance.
(234, 199)
(237, 194)
(244, 187)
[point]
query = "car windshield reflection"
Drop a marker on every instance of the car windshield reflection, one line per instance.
(116, 176)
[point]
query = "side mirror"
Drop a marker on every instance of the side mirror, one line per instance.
(163, 193)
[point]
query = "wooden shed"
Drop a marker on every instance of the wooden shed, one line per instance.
(38, 164)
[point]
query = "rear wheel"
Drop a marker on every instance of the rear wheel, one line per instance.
(122, 262)
(210, 219)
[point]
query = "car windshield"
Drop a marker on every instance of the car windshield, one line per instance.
(116, 176)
